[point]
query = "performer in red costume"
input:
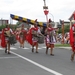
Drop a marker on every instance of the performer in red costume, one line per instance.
(0, 36)
(22, 36)
(5, 43)
(32, 36)
(50, 38)
(72, 40)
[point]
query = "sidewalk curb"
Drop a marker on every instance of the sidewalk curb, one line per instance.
(69, 48)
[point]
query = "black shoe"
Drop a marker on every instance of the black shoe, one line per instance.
(9, 53)
(32, 49)
(6, 51)
(52, 54)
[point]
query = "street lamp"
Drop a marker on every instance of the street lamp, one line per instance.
(45, 10)
(52, 16)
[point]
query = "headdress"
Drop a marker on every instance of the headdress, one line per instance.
(22, 25)
(49, 22)
(74, 15)
(35, 22)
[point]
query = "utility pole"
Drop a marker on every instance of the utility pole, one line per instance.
(63, 32)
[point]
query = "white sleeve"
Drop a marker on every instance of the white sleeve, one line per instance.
(73, 28)
(11, 30)
(39, 31)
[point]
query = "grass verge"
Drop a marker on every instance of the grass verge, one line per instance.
(62, 45)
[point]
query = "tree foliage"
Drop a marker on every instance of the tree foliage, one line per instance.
(66, 29)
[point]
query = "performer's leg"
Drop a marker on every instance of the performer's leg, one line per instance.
(8, 48)
(36, 47)
(72, 56)
(33, 47)
(47, 50)
(20, 44)
(51, 49)
(47, 46)
(51, 52)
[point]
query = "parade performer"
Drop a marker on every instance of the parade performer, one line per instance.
(50, 38)
(22, 36)
(5, 43)
(17, 32)
(72, 40)
(32, 36)
(0, 36)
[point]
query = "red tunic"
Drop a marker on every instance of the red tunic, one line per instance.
(22, 37)
(29, 35)
(3, 41)
(47, 42)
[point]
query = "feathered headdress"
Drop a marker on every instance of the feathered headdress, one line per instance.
(35, 22)
(49, 21)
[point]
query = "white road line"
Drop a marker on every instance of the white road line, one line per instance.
(39, 47)
(39, 65)
(25, 48)
(12, 48)
(8, 57)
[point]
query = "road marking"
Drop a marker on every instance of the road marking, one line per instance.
(44, 47)
(25, 48)
(39, 47)
(39, 65)
(1, 48)
(12, 48)
(8, 57)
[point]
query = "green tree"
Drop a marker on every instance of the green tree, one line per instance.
(2, 26)
(66, 29)
(18, 23)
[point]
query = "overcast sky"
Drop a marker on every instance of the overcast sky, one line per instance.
(33, 9)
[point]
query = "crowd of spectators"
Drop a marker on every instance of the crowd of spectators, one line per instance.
(66, 38)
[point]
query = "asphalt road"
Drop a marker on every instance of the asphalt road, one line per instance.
(22, 61)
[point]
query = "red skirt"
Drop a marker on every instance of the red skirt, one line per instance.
(73, 48)
(49, 45)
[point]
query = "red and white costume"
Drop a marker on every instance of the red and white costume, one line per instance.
(72, 37)
(50, 37)
(22, 36)
(4, 39)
